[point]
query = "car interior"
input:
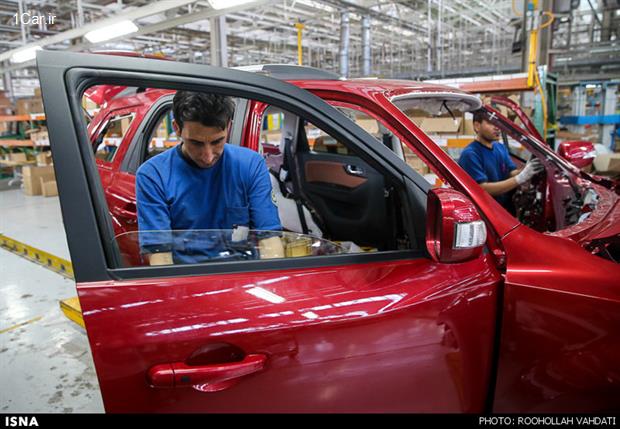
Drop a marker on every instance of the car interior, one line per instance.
(334, 190)
(322, 188)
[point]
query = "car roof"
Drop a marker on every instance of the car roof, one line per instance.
(314, 79)
(388, 87)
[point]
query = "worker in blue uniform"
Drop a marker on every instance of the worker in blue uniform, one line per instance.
(488, 162)
(194, 194)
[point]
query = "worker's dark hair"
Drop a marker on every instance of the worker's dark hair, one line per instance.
(480, 115)
(211, 110)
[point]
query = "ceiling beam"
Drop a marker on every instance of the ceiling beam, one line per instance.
(141, 12)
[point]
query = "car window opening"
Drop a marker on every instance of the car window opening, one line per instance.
(329, 201)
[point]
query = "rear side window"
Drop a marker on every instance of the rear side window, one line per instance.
(387, 137)
(109, 139)
(321, 142)
(163, 136)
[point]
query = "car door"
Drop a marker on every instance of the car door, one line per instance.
(377, 332)
(342, 188)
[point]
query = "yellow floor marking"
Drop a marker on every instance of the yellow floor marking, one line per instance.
(71, 306)
(19, 325)
(38, 256)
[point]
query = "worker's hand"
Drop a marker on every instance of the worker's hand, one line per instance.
(533, 167)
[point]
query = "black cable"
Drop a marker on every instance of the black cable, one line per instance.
(595, 14)
(448, 109)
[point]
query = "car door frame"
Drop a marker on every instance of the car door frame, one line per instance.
(93, 257)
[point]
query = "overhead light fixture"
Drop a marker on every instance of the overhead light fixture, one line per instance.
(111, 31)
(222, 4)
(26, 54)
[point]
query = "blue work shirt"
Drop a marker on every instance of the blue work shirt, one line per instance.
(173, 193)
(488, 165)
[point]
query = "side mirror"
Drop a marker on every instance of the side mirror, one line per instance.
(455, 232)
(578, 152)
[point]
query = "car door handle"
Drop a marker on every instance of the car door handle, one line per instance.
(353, 170)
(205, 378)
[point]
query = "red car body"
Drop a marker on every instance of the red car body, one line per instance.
(530, 325)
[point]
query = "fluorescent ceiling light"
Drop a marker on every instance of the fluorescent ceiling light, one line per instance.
(26, 54)
(222, 4)
(111, 31)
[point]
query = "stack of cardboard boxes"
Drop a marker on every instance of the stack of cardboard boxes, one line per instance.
(28, 106)
(15, 159)
(114, 133)
(415, 162)
(607, 164)
(40, 137)
(452, 134)
(37, 175)
(89, 104)
(6, 108)
(39, 180)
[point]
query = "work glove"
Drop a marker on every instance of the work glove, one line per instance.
(533, 167)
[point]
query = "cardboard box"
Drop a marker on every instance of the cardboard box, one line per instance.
(48, 187)
(417, 116)
(16, 160)
(27, 106)
(369, 125)
(125, 123)
(18, 157)
(37, 93)
(44, 158)
(421, 113)
(32, 178)
(5, 102)
(441, 125)
(607, 162)
(89, 104)
(417, 120)
(567, 135)
(40, 138)
(468, 128)
(416, 163)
